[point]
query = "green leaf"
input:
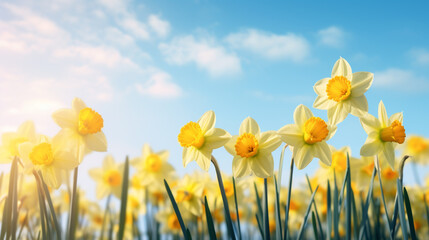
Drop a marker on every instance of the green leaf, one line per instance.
(266, 219)
(106, 212)
(328, 213)
(315, 208)
(304, 222)
(74, 209)
(210, 225)
(401, 210)
(366, 205)
(51, 207)
(278, 218)
(313, 220)
(286, 234)
(9, 211)
(177, 211)
(410, 215)
(260, 226)
(427, 209)
(124, 198)
(236, 209)
(336, 214)
(258, 201)
(348, 201)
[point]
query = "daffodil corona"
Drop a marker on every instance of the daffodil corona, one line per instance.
(198, 140)
(308, 137)
(384, 134)
(252, 150)
(343, 92)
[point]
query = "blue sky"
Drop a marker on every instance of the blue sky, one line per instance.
(149, 67)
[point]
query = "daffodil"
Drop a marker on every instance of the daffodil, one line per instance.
(198, 140)
(11, 141)
(152, 167)
(188, 193)
(308, 137)
(51, 158)
(82, 127)
(384, 134)
(252, 150)
(418, 148)
(108, 178)
(343, 92)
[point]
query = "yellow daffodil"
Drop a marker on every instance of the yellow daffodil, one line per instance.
(188, 193)
(152, 167)
(418, 148)
(384, 134)
(108, 178)
(11, 141)
(81, 127)
(308, 137)
(252, 150)
(343, 92)
(198, 140)
(51, 158)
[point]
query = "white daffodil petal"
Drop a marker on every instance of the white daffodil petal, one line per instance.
(262, 165)
(342, 68)
(338, 113)
(371, 147)
(301, 115)
(146, 151)
(302, 156)
(382, 115)
(249, 125)
(269, 141)
(389, 154)
(396, 117)
(370, 123)
(96, 142)
(323, 152)
(320, 86)
(51, 178)
(360, 83)
(28, 130)
(101, 191)
(203, 159)
(207, 121)
(323, 103)
(65, 160)
(78, 104)
(292, 135)
(230, 145)
(359, 106)
(332, 130)
(109, 162)
(65, 118)
(188, 155)
(240, 167)
(216, 138)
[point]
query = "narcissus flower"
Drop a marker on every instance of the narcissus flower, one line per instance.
(11, 141)
(252, 150)
(343, 92)
(198, 140)
(418, 148)
(308, 137)
(81, 126)
(108, 178)
(51, 158)
(384, 134)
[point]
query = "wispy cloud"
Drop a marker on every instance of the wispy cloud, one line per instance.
(289, 46)
(269, 97)
(159, 26)
(400, 80)
(160, 85)
(420, 56)
(332, 36)
(204, 52)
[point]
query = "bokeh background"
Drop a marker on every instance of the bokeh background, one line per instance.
(149, 67)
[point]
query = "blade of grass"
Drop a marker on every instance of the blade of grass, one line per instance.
(328, 213)
(315, 208)
(304, 222)
(176, 210)
(278, 218)
(348, 201)
(313, 220)
(124, 197)
(236, 208)
(288, 200)
(410, 215)
(401, 209)
(210, 225)
(266, 219)
(366, 205)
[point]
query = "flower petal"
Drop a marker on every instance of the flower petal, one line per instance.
(342, 68)
(302, 156)
(207, 121)
(359, 106)
(323, 102)
(301, 115)
(96, 142)
(397, 116)
(323, 152)
(77, 105)
(146, 151)
(101, 191)
(230, 145)
(65, 118)
(372, 146)
(203, 159)
(188, 155)
(65, 160)
(370, 123)
(262, 165)
(338, 113)
(292, 135)
(389, 154)
(249, 125)
(269, 141)
(240, 167)
(382, 115)
(320, 86)
(361, 81)
(28, 130)
(216, 138)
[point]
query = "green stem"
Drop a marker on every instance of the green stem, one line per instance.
(73, 217)
(288, 198)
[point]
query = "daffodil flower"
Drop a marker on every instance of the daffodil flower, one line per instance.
(418, 148)
(308, 137)
(48, 157)
(384, 134)
(252, 150)
(343, 92)
(198, 140)
(108, 178)
(11, 141)
(81, 126)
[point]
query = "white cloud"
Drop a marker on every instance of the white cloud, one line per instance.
(160, 85)
(420, 56)
(269, 45)
(331, 36)
(204, 52)
(135, 27)
(400, 80)
(159, 26)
